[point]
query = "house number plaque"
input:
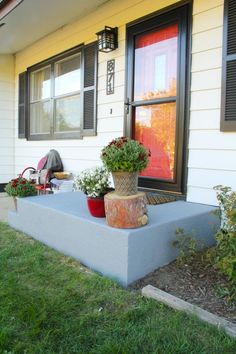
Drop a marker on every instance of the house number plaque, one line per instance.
(110, 76)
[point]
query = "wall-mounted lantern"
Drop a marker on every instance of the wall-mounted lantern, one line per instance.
(107, 39)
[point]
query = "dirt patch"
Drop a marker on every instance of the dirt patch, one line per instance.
(197, 283)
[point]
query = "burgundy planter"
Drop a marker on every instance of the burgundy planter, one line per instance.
(96, 206)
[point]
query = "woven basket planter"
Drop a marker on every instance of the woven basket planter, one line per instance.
(126, 183)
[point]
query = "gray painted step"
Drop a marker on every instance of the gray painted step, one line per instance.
(62, 221)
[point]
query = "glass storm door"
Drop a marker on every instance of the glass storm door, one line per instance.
(156, 96)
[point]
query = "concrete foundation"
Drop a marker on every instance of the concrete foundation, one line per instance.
(63, 222)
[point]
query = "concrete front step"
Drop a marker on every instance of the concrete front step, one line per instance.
(6, 204)
(63, 222)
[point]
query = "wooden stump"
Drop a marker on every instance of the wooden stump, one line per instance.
(126, 212)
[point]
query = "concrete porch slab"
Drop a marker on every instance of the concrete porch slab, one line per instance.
(63, 222)
(6, 204)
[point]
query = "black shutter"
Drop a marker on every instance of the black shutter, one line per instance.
(22, 105)
(90, 89)
(228, 103)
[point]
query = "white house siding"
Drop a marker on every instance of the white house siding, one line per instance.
(211, 153)
(80, 154)
(7, 97)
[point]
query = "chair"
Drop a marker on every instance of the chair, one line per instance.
(40, 178)
(44, 171)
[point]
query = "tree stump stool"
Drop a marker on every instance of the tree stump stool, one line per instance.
(126, 212)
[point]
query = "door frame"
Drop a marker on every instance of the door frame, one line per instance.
(181, 12)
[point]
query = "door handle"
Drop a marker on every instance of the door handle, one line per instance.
(127, 104)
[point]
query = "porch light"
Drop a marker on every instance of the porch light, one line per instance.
(107, 39)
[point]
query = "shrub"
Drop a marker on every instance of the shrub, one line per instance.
(125, 154)
(227, 203)
(94, 181)
(186, 245)
(20, 187)
(225, 251)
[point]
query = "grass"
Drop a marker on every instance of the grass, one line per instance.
(50, 303)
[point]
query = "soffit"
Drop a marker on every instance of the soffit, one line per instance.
(34, 19)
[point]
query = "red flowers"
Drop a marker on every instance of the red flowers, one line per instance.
(118, 143)
(16, 181)
(20, 187)
(142, 157)
(125, 154)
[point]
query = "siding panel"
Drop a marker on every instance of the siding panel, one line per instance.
(6, 117)
(205, 119)
(209, 159)
(206, 80)
(120, 66)
(116, 123)
(208, 19)
(213, 140)
(204, 178)
(201, 195)
(210, 59)
(204, 41)
(205, 99)
(104, 110)
(212, 154)
(203, 5)
(119, 80)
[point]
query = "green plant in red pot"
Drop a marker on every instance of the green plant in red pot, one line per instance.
(94, 182)
(125, 158)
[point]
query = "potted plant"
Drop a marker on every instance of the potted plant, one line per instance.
(125, 158)
(20, 187)
(94, 182)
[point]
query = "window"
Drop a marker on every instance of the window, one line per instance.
(62, 96)
(228, 103)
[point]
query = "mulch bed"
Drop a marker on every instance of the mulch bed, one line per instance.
(198, 283)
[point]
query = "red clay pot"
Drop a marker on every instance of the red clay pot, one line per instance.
(96, 206)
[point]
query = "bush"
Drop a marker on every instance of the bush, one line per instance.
(20, 187)
(227, 203)
(225, 251)
(124, 154)
(94, 182)
(187, 246)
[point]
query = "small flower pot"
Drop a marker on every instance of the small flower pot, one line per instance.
(96, 206)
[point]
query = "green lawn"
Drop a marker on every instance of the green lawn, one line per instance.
(49, 303)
